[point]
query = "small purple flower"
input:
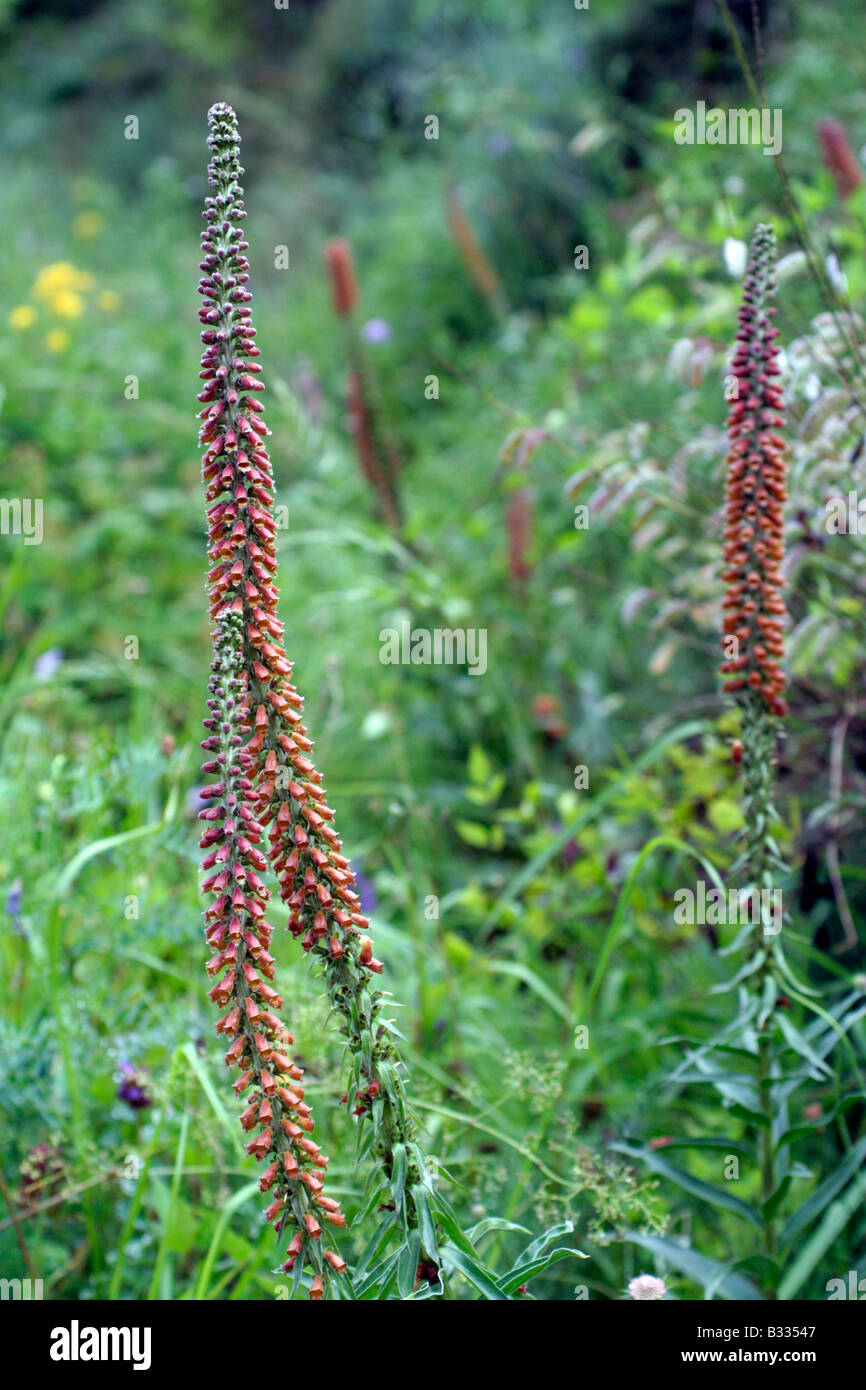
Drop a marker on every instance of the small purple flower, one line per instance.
(14, 898)
(376, 331)
(366, 892)
(132, 1087)
(45, 665)
(14, 902)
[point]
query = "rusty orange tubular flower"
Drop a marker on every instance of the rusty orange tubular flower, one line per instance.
(754, 548)
(267, 806)
(249, 686)
(754, 609)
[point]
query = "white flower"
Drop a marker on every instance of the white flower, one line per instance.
(647, 1286)
(736, 255)
(835, 274)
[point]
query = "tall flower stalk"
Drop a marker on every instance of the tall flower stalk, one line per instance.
(239, 493)
(840, 159)
(754, 536)
(269, 793)
(753, 644)
(376, 453)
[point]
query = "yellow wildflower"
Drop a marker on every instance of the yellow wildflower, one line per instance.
(67, 304)
(22, 316)
(59, 277)
(57, 340)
